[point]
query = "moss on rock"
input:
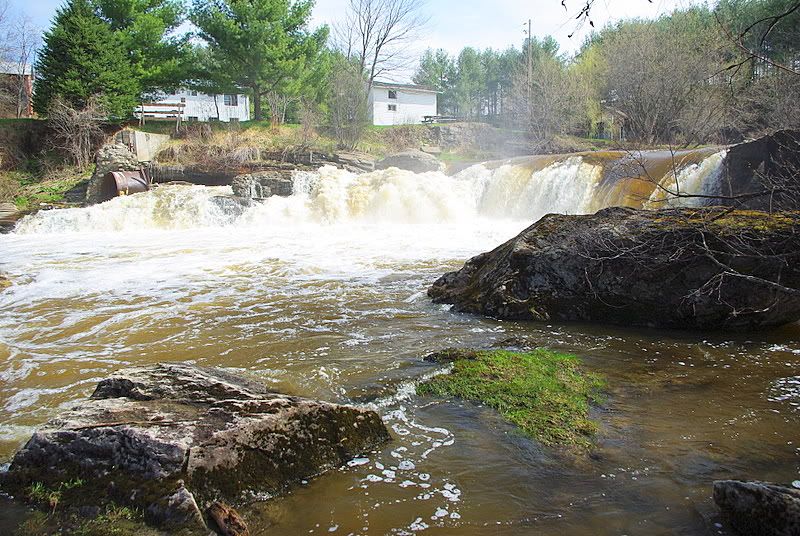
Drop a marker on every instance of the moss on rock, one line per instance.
(543, 392)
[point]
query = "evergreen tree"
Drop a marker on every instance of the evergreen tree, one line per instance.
(262, 45)
(81, 58)
(438, 70)
(159, 60)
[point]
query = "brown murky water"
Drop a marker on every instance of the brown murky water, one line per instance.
(337, 311)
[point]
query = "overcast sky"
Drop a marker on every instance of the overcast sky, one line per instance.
(458, 23)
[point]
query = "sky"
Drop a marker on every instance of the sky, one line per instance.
(455, 24)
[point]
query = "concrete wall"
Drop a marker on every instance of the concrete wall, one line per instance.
(142, 144)
(412, 106)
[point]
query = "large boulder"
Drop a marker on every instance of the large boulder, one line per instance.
(763, 174)
(111, 157)
(172, 439)
(415, 161)
(683, 268)
(261, 185)
(759, 508)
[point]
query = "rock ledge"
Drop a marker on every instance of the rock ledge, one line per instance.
(174, 438)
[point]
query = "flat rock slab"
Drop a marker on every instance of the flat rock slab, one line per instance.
(415, 161)
(759, 508)
(149, 432)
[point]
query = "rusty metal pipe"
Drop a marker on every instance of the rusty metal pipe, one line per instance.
(118, 183)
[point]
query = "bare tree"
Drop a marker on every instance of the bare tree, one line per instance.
(550, 103)
(309, 120)
(376, 34)
(6, 86)
(659, 77)
(76, 132)
(25, 39)
(348, 103)
(278, 104)
(4, 37)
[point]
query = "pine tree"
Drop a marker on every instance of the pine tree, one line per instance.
(82, 58)
(262, 45)
(159, 56)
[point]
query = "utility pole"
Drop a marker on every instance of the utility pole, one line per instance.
(530, 64)
(530, 55)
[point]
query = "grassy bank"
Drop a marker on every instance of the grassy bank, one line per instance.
(545, 393)
(31, 172)
(28, 190)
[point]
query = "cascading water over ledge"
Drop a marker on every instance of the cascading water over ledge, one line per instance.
(522, 189)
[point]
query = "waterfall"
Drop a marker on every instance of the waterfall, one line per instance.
(520, 190)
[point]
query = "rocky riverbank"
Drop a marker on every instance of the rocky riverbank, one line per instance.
(173, 440)
(684, 268)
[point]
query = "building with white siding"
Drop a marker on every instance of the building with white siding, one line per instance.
(400, 104)
(195, 106)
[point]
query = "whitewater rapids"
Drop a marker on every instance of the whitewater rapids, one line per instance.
(508, 192)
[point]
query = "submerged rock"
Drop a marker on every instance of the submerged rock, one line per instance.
(759, 508)
(262, 185)
(708, 268)
(228, 520)
(415, 161)
(168, 436)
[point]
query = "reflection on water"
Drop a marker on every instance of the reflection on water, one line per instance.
(337, 311)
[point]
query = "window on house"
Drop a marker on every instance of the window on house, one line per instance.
(193, 119)
(392, 107)
(392, 94)
(231, 100)
(213, 119)
(194, 93)
(183, 99)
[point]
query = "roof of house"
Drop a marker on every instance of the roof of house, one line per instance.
(412, 87)
(12, 67)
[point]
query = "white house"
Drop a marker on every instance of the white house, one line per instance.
(400, 104)
(196, 106)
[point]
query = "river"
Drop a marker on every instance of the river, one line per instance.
(322, 294)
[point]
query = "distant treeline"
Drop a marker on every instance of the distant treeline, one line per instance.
(693, 76)
(699, 75)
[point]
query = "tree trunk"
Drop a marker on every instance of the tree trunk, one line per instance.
(257, 104)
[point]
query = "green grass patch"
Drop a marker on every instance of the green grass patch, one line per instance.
(40, 493)
(543, 392)
(27, 190)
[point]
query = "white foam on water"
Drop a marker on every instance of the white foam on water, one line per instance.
(333, 196)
